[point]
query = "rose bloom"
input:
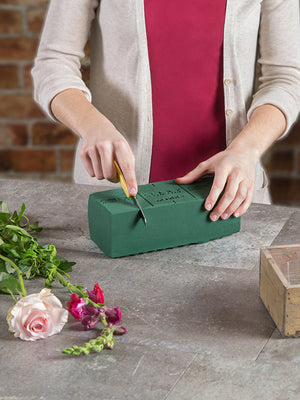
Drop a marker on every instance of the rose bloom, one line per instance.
(37, 316)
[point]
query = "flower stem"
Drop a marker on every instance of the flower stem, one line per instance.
(71, 288)
(81, 293)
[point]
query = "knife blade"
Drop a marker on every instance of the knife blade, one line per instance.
(124, 187)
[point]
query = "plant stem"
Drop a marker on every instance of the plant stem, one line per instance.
(79, 292)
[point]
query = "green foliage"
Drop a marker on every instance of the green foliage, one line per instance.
(106, 340)
(9, 284)
(21, 254)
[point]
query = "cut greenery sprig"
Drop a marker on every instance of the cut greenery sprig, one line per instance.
(22, 257)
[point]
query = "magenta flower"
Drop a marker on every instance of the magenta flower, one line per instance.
(113, 315)
(90, 310)
(76, 306)
(89, 321)
(96, 295)
(89, 315)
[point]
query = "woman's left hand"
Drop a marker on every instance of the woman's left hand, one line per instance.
(234, 168)
(234, 172)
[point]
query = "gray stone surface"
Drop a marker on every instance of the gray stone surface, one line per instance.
(197, 328)
(290, 233)
(210, 378)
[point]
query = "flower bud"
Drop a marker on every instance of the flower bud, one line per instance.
(120, 330)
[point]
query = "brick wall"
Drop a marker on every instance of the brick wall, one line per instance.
(33, 148)
(282, 163)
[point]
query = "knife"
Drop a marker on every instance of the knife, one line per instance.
(124, 187)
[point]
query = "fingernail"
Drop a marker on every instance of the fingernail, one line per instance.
(224, 216)
(214, 217)
(208, 207)
(132, 191)
(236, 214)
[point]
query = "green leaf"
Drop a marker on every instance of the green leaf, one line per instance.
(19, 230)
(4, 217)
(2, 266)
(10, 270)
(9, 284)
(21, 211)
(28, 273)
(35, 227)
(4, 207)
(64, 265)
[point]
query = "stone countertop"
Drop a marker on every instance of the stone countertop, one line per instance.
(197, 328)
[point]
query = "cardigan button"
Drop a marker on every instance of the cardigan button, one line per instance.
(227, 82)
(229, 111)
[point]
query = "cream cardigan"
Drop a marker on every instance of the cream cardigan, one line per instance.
(266, 31)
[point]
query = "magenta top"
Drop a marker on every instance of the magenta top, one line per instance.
(185, 41)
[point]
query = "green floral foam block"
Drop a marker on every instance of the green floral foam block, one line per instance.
(175, 217)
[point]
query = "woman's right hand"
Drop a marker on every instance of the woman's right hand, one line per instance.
(102, 143)
(100, 147)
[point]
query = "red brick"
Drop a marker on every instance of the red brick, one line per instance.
(27, 160)
(19, 106)
(85, 64)
(9, 77)
(33, 176)
(13, 134)
(27, 77)
(67, 160)
(18, 49)
(25, 2)
(87, 52)
(10, 21)
(280, 161)
(285, 190)
(85, 71)
(35, 19)
(46, 133)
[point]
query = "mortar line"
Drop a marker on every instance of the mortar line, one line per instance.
(180, 376)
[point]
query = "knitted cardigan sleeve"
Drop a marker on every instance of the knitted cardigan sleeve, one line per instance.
(279, 57)
(61, 48)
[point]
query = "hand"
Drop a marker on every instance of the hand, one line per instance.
(102, 143)
(234, 171)
(100, 147)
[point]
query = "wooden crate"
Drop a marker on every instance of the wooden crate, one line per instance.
(279, 286)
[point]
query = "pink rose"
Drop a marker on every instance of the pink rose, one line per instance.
(37, 316)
